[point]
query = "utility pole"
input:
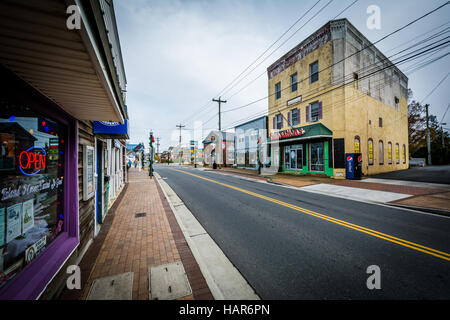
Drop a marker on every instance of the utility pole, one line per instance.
(179, 151)
(219, 101)
(428, 137)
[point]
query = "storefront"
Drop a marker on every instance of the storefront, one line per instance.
(111, 165)
(305, 150)
(38, 181)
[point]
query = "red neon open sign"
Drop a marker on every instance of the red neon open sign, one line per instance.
(32, 160)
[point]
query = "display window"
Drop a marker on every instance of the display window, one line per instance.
(317, 162)
(31, 186)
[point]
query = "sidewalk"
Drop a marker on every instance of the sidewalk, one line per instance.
(422, 196)
(127, 243)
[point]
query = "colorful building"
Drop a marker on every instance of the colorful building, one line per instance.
(56, 163)
(335, 93)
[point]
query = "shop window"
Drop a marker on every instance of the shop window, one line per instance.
(316, 158)
(370, 151)
(314, 72)
(381, 151)
(404, 154)
(278, 90)
(389, 153)
(294, 82)
(31, 186)
(357, 142)
(397, 153)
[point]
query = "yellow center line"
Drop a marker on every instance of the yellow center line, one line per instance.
(402, 242)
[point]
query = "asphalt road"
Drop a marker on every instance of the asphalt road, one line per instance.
(430, 174)
(287, 252)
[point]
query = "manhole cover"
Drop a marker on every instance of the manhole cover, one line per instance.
(140, 214)
(117, 287)
(168, 282)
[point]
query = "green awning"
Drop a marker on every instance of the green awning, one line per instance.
(317, 130)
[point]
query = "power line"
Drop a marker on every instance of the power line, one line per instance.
(358, 51)
(431, 92)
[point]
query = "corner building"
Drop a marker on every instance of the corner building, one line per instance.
(336, 93)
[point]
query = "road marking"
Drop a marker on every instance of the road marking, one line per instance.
(402, 242)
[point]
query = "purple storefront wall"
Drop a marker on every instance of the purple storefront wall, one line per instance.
(33, 279)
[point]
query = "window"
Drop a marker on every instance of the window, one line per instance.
(404, 154)
(31, 175)
(314, 112)
(396, 102)
(355, 80)
(357, 149)
(294, 82)
(278, 90)
(317, 157)
(381, 151)
(279, 121)
(380, 122)
(295, 117)
(397, 153)
(370, 143)
(313, 72)
(389, 152)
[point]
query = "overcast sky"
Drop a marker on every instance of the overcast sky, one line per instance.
(180, 54)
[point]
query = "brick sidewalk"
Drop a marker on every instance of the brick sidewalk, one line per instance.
(133, 244)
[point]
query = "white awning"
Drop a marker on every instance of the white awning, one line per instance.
(64, 65)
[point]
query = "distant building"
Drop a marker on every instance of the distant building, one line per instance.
(332, 94)
(249, 138)
(218, 147)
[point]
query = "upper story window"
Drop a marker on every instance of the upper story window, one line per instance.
(295, 117)
(314, 72)
(279, 121)
(278, 90)
(314, 107)
(380, 122)
(396, 102)
(294, 82)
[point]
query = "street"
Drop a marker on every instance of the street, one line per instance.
(291, 244)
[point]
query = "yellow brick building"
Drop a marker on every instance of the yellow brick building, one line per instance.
(333, 94)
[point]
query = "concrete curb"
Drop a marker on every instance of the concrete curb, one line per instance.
(424, 209)
(223, 278)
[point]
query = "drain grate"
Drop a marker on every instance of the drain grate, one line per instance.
(140, 214)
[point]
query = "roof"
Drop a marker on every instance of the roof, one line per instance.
(226, 136)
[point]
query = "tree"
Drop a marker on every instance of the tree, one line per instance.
(417, 134)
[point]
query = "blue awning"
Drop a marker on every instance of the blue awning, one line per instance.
(113, 129)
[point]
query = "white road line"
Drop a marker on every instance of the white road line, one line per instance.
(223, 279)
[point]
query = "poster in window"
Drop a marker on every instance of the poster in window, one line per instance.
(2, 227)
(27, 215)
(88, 172)
(13, 222)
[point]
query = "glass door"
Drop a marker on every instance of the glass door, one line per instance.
(316, 158)
(293, 157)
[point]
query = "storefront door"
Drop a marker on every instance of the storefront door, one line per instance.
(316, 158)
(293, 158)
